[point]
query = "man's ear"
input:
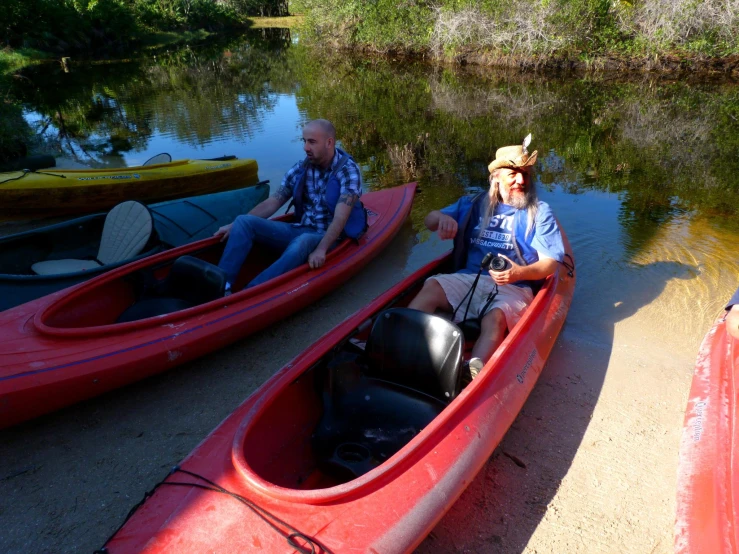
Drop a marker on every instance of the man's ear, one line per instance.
(331, 141)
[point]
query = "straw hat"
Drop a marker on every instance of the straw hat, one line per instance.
(514, 157)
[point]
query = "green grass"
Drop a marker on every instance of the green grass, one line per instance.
(288, 22)
(12, 60)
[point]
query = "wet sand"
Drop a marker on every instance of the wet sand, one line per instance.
(588, 466)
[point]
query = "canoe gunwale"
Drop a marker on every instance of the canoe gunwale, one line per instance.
(408, 454)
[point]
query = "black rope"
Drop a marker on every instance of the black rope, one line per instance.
(15, 178)
(569, 266)
(26, 172)
(269, 518)
(52, 174)
(147, 495)
(258, 510)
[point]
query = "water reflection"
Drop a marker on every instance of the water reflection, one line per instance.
(643, 175)
(665, 153)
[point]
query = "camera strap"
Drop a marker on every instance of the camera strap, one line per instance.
(491, 297)
(471, 294)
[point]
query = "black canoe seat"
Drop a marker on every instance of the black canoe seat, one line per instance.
(365, 420)
(418, 350)
(191, 281)
(377, 402)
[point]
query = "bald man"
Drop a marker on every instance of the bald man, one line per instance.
(325, 186)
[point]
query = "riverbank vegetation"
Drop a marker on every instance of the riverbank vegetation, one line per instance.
(525, 32)
(97, 28)
(665, 146)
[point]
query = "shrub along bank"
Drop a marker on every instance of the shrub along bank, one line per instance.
(102, 26)
(526, 31)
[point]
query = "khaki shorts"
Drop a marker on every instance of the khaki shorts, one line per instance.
(511, 300)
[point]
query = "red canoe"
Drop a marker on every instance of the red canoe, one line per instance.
(68, 346)
(353, 446)
(708, 470)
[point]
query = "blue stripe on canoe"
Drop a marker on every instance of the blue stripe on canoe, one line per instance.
(193, 329)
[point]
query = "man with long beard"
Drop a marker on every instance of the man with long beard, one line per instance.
(509, 222)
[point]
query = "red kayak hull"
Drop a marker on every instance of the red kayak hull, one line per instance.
(391, 508)
(708, 471)
(47, 365)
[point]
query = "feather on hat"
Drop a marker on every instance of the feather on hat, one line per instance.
(514, 157)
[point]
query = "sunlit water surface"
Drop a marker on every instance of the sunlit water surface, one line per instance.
(642, 176)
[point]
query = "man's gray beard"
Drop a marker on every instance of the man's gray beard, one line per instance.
(519, 201)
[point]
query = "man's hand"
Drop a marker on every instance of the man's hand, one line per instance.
(507, 276)
(223, 232)
(317, 258)
(447, 227)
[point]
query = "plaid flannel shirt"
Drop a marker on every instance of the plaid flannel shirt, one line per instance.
(315, 212)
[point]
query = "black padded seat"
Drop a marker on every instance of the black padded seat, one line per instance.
(191, 281)
(418, 350)
(365, 420)
(374, 403)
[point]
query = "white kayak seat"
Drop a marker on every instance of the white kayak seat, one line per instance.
(62, 267)
(127, 229)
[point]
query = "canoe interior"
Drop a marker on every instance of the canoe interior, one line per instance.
(175, 223)
(81, 241)
(104, 303)
(294, 443)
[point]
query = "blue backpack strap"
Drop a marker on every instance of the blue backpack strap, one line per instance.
(459, 254)
(297, 199)
(356, 225)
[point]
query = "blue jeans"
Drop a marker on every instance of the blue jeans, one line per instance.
(296, 243)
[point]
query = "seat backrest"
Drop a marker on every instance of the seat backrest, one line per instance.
(127, 229)
(194, 280)
(162, 158)
(418, 350)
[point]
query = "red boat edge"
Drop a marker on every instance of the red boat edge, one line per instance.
(708, 469)
(256, 452)
(67, 347)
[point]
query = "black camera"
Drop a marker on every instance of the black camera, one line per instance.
(499, 263)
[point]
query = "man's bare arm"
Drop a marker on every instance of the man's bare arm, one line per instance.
(444, 224)
(533, 272)
(265, 209)
(341, 215)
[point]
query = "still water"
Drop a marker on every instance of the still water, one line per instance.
(643, 175)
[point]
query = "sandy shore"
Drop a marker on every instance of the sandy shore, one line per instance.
(588, 466)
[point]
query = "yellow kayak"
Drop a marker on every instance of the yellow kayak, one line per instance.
(66, 191)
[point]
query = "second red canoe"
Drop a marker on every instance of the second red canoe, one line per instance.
(145, 318)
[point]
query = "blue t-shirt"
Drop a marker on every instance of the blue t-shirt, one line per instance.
(734, 300)
(498, 238)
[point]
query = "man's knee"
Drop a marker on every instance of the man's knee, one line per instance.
(242, 224)
(430, 297)
(494, 321)
(303, 245)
